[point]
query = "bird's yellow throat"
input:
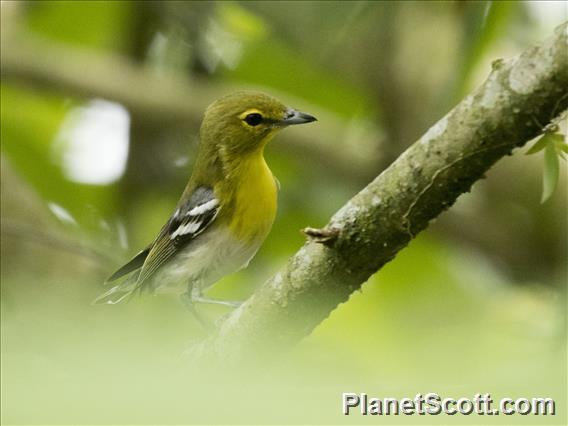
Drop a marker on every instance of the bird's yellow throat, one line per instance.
(254, 198)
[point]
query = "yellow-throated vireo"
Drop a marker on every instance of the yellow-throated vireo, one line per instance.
(226, 209)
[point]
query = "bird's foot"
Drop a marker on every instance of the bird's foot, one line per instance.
(210, 301)
(189, 302)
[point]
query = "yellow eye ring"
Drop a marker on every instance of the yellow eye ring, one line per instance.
(252, 117)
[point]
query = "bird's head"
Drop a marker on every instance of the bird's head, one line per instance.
(245, 121)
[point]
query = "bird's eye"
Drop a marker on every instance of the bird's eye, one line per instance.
(253, 119)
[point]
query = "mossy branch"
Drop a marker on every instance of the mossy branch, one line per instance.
(509, 109)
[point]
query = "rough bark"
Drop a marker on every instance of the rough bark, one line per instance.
(518, 98)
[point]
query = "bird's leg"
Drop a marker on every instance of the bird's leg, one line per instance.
(230, 303)
(188, 302)
(198, 297)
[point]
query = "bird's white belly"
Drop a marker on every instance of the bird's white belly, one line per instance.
(204, 261)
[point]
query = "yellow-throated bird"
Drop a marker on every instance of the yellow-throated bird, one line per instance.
(226, 209)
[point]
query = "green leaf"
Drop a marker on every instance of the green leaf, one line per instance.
(483, 24)
(540, 144)
(551, 171)
(242, 22)
(560, 142)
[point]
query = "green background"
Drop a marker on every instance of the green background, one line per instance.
(475, 304)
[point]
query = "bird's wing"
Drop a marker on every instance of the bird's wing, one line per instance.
(190, 219)
(135, 263)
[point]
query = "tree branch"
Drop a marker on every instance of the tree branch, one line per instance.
(377, 223)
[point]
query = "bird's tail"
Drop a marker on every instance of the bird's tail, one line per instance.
(118, 293)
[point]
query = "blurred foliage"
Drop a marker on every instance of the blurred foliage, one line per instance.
(484, 26)
(475, 305)
(101, 25)
(555, 148)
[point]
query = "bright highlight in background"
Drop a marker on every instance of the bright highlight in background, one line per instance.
(92, 144)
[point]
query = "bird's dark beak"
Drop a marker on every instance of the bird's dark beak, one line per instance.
(296, 117)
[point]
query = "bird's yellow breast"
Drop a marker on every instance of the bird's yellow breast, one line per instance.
(254, 199)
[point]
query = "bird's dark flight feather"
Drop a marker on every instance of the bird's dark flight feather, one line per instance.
(135, 263)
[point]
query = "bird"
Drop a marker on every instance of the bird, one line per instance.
(225, 211)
